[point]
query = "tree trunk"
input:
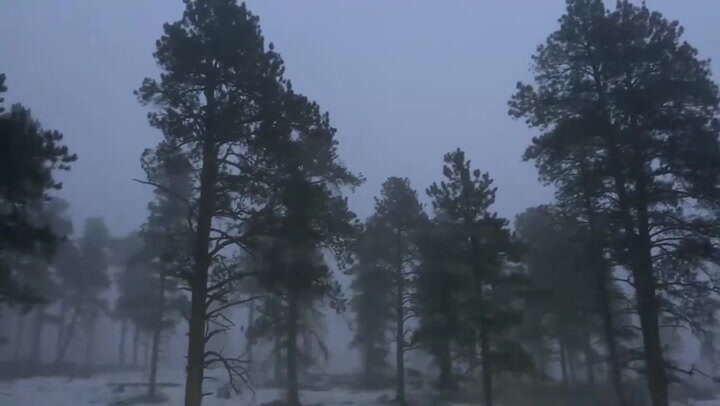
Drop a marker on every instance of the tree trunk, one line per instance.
(146, 355)
(601, 273)
(641, 266)
(368, 373)
(61, 328)
(570, 357)
(67, 337)
(608, 333)
(121, 348)
(157, 331)
(202, 259)
(249, 340)
(648, 311)
(447, 381)
(307, 349)
(20, 329)
(563, 363)
(136, 345)
(293, 390)
(646, 297)
(400, 340)
(36, 352)
(90, 346)
(154, 355)
(278, 359)
(541, 362)
(589, 360)
(486, 366)
(615, 370)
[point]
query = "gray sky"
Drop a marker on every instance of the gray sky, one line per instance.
(404, 82)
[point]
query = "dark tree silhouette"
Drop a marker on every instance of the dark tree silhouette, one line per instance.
(218, 84)
(463, 201)
(620, 92)
(30, 156)
(392, 230)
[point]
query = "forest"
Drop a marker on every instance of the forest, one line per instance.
(250, 256)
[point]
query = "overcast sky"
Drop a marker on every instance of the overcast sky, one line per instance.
(404, 82)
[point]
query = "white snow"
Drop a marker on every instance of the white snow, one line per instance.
(98, 391)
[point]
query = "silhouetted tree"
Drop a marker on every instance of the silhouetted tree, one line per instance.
(490, 307)
(307, 218)
(29, 158)
(393, 230)
(575, 300)
(94, 263)
(82, 272)
(167, 242)
(372, 303)
(619, 89)
(123, 251)
(441, 278)
(218, 84)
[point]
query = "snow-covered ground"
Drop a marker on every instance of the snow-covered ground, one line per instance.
(99, 391)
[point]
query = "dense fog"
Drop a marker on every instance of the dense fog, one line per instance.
(216, 202)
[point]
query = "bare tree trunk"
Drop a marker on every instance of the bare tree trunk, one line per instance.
(368, 373)
(121, 349)
(646, 298)
(609, 335)
(447, 381)
(136, 345)
(277, 358)
(563, 362)
(400, 340)
(20, 329)
(61, 326)
(156, 338)
(155, 353)
(570, 357)
(307, 349)
(249, 340)
(655, 365)
(90, 346)
(146, 355)
(400, 325)
(36, 352)
(68, 335)
(202, 259)
(293, 389)
(486, 366)
(641, 266)
(602, 272)
(589, 359)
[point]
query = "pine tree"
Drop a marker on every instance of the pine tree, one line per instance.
(619, 92)
(393, 228)
(439, 305)
(574, 300)
(167, 240)
(30, 156)
(95, 279)
(82, 270)
(307, 218)
(372, 305)
(123, 250)
(463, 202)
(216, 97)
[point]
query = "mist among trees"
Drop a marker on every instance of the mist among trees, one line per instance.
(250, 258)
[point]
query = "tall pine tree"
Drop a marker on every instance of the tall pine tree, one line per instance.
(219, 83)
(463, 201)
(622, 93)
